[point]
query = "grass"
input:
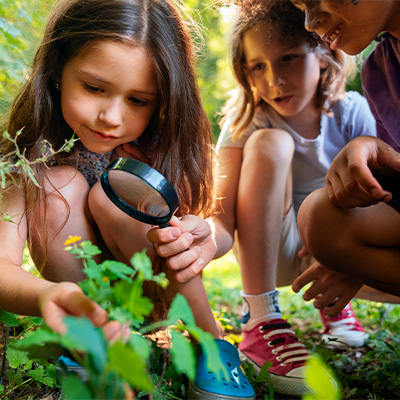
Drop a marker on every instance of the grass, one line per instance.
(370, 372)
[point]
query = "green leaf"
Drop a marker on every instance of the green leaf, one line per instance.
(210, 350)
(129, 366)
(140, 346)
(116, 269)
(83, 336)
(180, 310)
(39, 375)
(16, 358)
(89, 248)
(131, 296)
(320, 381)
(9, 319)
(74, 389)
(263, 374)
(183, 355)
(142, 263)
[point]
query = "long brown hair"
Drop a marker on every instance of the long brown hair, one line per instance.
(178, 139)
(285, 19)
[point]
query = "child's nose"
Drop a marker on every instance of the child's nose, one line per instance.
(276, 79)
(111, 113)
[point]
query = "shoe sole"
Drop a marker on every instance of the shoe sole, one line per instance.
(289, 385)
(194, 393)
(340, 344)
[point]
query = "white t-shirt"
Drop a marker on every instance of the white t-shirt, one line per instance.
(313, 157)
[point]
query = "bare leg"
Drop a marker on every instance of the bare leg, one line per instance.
(66, 214)
(361, 242)
(264, 196)
(124, 236)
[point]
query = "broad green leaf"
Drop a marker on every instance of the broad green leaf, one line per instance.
(39, 375)
(320, 381)
(180, 310)
(16, 358)
(140, 346)
(183, 355)
(129, 366)
(73, 389)
(9, 319)
(211, 351)
(85, 337)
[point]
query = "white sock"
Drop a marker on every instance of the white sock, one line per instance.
(259, 308)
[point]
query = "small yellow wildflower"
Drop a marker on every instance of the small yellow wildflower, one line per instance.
(72, 239)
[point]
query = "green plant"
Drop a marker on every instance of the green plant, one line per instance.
(117, 369)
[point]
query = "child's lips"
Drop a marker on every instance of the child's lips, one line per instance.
(282, 100)
(102, 136)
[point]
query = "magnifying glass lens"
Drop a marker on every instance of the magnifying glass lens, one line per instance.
(138, 194)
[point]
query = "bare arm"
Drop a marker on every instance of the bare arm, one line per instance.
(25, 294)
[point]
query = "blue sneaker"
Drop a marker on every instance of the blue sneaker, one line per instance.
(206, 386)
(65, 364)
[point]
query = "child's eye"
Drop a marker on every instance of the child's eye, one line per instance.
(91, 88)
(258, 67)
(137, 102)
(289, 57)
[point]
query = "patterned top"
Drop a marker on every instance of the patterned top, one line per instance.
(90, 164)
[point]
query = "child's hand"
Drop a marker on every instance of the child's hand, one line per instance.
(188, 245)
(331, 290)
(129, 150)
(350, 182)
(67, 298)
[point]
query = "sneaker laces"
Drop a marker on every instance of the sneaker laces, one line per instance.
(346, 320)
(292, 350)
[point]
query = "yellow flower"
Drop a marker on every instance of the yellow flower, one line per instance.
(72, 239)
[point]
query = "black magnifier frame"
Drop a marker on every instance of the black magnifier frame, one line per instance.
(149, 176)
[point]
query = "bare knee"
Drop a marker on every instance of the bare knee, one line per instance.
(268, 146)
(320, 225)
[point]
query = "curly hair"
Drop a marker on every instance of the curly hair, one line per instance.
(288, 21)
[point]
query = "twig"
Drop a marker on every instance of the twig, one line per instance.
(3, 363)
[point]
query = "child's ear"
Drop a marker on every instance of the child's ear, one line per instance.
(323, 62)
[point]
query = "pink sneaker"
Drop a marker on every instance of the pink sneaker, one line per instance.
(345, 328)
(275, 342)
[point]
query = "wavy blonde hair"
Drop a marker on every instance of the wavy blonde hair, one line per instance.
(282, 16)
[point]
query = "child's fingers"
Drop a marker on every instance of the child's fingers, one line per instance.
(80, 305)
(190, 272)
(166, 250)
(337, 307)
(184, 259)
(306, 277)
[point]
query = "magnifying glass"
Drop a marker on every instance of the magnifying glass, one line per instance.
(140, 191)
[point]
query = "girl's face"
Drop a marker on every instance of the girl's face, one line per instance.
(285, 73)
(109, 94)
(348, 26)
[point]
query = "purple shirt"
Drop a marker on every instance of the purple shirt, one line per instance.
(381, 84)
